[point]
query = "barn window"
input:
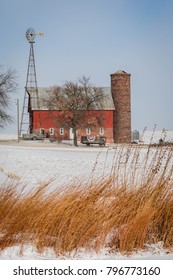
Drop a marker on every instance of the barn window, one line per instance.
(101, 130)
(51, 131)
(88, 131)
(61, 131)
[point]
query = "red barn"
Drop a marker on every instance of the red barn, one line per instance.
(42, 120)
(114, 113)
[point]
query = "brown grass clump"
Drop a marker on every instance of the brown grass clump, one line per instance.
(118, 212)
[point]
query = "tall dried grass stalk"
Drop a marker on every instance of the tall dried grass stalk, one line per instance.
(119, 212)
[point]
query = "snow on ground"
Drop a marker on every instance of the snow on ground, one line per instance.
(32, 163)
(152, 252)
(8, 136)
(150, 137)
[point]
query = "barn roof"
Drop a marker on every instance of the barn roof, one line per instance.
(36, 99)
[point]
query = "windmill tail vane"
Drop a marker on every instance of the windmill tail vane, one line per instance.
(40, 34)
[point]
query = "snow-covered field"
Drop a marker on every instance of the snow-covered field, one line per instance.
(148, 136)
(8, 136)
(32, 163)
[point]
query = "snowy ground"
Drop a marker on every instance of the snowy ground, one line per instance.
(64, 164)
(31, 163)
(150, 137)
(153, 252)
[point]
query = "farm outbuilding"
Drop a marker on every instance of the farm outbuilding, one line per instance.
(114, 114)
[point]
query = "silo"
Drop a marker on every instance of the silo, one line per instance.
(120, 88)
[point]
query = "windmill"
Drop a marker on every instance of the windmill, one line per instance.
(31, 89)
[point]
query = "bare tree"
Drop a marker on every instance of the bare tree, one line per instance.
(74, 100)
(8, 86)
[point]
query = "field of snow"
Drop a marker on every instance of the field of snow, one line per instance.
(34, 165)
(150, 137)
(8, 136)
(31, 164)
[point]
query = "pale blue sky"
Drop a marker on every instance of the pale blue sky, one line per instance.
(96, 38)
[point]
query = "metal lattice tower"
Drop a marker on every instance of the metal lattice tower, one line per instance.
(31, 89)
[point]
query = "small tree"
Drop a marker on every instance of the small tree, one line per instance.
(8, 86)
(74, 100)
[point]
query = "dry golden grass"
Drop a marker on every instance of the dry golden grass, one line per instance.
(131, 208)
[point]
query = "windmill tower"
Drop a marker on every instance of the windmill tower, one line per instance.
(31, 89)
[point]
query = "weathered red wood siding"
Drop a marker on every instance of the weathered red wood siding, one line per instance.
(47, 120)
